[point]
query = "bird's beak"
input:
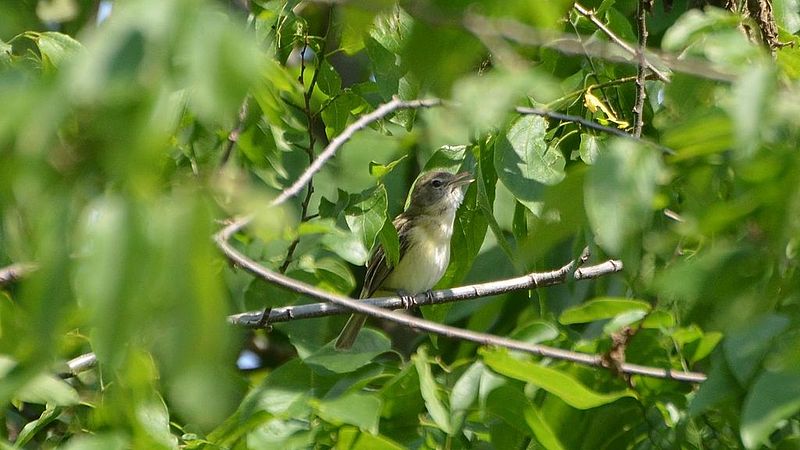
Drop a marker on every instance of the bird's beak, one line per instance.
(461, 179)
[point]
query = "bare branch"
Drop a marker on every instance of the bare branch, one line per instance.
(617, 40)
(326, 154)
(15, 272)
(588, 124)
(598, 270)
(641, 93)
(233, 136)
(535, 280)
(79, 364)
(363, 307)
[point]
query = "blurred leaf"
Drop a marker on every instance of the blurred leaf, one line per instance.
(774, 397)
(429, 389)
(464, 393)
(361, 410)
(30, 429)
(601, 308)
(350, 438)
(524, 161)
(754, 97)
(619, 193)
(54, 47)
(745, 349)
(101, 441)
(560, 384)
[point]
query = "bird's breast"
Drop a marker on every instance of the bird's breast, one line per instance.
(424, 261)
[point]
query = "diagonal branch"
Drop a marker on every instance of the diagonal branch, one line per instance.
(589, 14)
(362, 122)
(362, 307)
(588, 124)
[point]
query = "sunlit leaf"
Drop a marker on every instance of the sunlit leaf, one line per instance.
(558, 383)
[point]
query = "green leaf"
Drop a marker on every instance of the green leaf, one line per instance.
(429, 389)
(102, 441)
(361, 410)
(541, 429)
(589, 148)
(328, 79)
(601, 308)
(464, 393)
(560, 384)
(366, 214)
(378, 170)
(619, 193)
(349, 438)
(368, 345)
(525, 163)
(390, 242)
(55, 47)
(30, 429)
(384, 68)
(535, 332)
(745, 349)
(774, 397)
(751, 110)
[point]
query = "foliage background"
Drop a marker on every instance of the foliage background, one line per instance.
(113, 178)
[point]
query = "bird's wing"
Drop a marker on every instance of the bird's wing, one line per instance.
(378, 268)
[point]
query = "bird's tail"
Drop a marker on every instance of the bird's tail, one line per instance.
(350, 331)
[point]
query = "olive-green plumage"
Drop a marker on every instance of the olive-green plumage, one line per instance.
(424, 231)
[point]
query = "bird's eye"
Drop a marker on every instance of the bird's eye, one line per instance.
(437, 183)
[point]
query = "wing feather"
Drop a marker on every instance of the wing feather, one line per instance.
(378, 268)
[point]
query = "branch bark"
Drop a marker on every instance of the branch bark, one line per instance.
(253, 319)
(15, 272)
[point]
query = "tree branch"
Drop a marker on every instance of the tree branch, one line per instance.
(617, 40)
(588, 124)
(534, 280)
(363, 307)
(641, 94)
(15, 272)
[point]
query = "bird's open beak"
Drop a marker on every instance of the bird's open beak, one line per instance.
(461, 179)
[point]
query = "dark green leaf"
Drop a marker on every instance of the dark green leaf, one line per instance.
(524, 161)
(429, 389)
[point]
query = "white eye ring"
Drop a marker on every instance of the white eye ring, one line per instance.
(437, 183)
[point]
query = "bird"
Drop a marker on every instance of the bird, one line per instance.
(424, 230)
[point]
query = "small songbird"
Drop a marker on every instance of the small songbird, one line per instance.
(424, 231)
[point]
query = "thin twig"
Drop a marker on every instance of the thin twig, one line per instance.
(15, 272)
(233, 136)
(329, 151)
(362, 307)
(641, 93)
(616, 39)
(588, 124)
